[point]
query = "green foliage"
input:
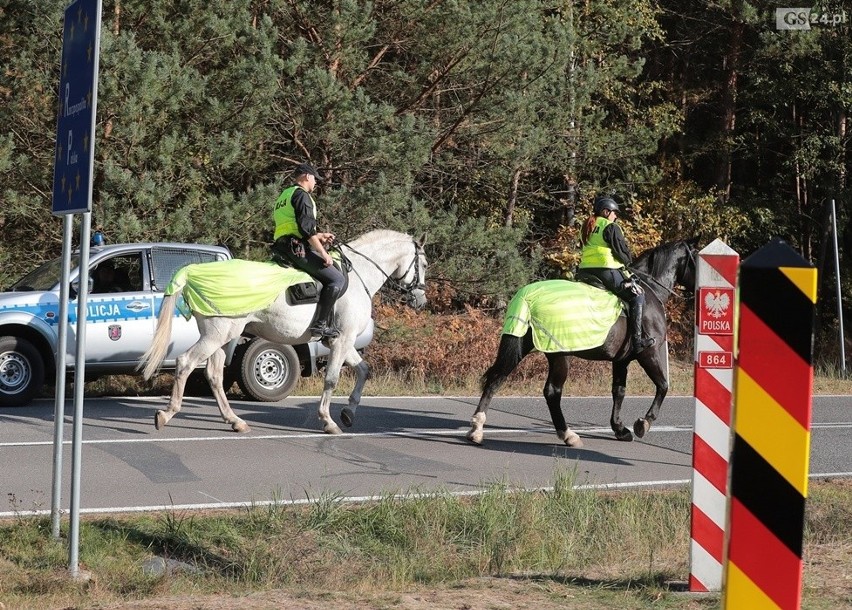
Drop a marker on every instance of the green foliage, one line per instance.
(489, 125)
(421, 119)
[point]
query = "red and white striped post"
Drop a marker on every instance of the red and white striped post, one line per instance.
(715, 316)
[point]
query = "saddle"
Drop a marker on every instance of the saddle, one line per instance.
(305, 293)
(595, 282)
(588, 278)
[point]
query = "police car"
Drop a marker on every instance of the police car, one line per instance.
(126, 283)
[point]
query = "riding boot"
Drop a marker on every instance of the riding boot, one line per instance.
(323, 326)
(635, 320)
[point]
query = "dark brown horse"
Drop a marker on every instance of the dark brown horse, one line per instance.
(658, 269)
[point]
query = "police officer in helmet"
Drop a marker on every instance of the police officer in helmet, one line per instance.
(605, 256)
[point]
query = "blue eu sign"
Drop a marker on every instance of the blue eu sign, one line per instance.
(78, 92)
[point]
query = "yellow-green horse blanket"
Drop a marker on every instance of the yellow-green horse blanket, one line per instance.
(233, 287)
(565, 316)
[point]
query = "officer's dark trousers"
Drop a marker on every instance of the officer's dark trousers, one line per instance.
(332, 280)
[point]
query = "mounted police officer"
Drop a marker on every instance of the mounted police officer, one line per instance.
(299, 243)
(605, 256)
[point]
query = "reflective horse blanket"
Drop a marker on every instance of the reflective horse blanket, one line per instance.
(233, 287)
(565, 316)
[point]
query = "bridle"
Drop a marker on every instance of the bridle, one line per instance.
(406, 288)
(649, 279)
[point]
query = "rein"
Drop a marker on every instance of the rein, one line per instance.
(649, 279)
(405, 288)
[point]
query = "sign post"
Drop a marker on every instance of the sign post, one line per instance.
(714, 365)
(72, 194)
(772, 425)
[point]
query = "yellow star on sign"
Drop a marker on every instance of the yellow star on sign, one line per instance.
(78, 180)
(59, 152)
(62, 181)
(70, 192)
(86, 143)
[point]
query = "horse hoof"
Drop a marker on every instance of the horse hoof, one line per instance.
(159, 420)
(240, 426)
(347, 416)
(641, 427)
(624, 435)
(332, 429)
(573, 440)
(475, 437)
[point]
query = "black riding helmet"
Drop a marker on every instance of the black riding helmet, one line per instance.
(604, 203)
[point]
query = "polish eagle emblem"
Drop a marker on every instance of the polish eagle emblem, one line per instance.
(717, 303)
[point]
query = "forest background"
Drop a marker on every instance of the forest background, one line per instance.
(488, 125)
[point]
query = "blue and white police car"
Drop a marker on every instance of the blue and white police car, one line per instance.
(126, 283)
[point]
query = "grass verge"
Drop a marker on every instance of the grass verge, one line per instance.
(614, 550)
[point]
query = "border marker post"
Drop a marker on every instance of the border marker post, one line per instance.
(715, 322)
(772, 421)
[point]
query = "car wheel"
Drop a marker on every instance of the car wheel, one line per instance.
(21, 372)
(268, 371)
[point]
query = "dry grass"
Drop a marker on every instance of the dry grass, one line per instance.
(418, 353)
(504, 549)
(427, 354)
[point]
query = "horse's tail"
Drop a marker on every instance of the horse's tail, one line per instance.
(516, 326)
(151, 360)
(509, 356)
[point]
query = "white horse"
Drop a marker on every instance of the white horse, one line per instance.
(376, 257)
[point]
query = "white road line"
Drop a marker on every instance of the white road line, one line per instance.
(320, 436)
(402, 433)
(357, 499)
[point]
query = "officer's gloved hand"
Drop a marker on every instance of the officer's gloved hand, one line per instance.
(632, 286)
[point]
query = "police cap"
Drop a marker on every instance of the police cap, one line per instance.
(306, 168)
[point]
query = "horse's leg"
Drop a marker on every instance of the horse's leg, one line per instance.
(202, 350)
(185, 364)
(619, 388)
(510, 353)
(215, 375)
(653, 366)
(362, 373)
(557, 373)
(332, 376)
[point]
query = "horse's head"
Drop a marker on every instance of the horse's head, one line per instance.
(663, 267)
(411, 275)
(686, 269)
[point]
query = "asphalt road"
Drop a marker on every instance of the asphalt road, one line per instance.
(397, 445)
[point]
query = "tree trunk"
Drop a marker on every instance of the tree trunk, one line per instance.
(803, 199)
(116, 22)
(729, 102)
(512, 199)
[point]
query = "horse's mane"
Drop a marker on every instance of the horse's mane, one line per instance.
(377, 235)
(656, 260)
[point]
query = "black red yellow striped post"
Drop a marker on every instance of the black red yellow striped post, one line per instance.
(771, 425)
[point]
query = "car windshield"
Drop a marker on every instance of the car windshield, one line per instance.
(45, 277)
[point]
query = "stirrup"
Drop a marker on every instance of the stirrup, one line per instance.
(323, 331)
